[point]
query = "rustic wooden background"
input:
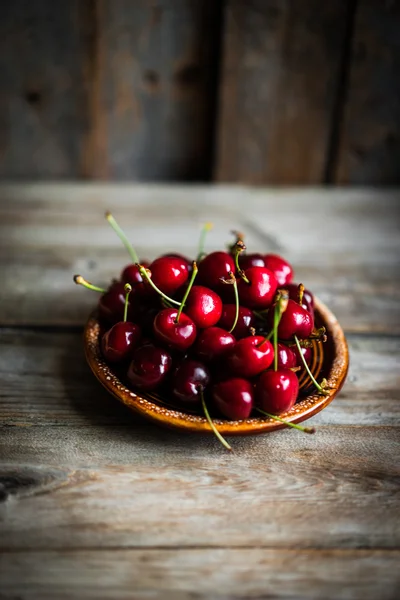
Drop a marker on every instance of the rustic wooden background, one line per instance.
(256, 91)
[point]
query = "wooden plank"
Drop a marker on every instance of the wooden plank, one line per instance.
(132, 486)
(343, 244)
(45, 381)
(43, 101)
(369, 150)
(153, 98)
(226, 574)
(279, 83)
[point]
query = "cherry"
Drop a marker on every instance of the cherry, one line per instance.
(149, 366)
(213, 268)
(112, 301)
(168, 273)
(307, 300)
(188, 379)
(306, 352)
(251, 260)
(203, 306)
(131, 273)
(244, 323)
(181, 257)
(234, 398)
(287, 357)
(118, 342)
(258, 290)
(280, 267)
(277, 391)
(212, 343)
(294, 321)
(179, 334)
(249, 356)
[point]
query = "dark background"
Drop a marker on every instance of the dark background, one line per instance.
(253, 91)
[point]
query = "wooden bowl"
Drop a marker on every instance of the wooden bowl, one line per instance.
(330, 360)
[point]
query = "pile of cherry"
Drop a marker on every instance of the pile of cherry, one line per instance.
(226, 334)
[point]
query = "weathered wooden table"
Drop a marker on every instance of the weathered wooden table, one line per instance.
(96, 503)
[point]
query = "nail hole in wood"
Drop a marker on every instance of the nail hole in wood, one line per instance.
(33, 97)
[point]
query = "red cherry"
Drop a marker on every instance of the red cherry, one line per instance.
(119, 342)
(112, 303)
(179, 335)
(168, 274)
(308, 298)
(286, 357)
(203, 306)
(149, 366)
(277, 391)
(212, 343)
(294, 321)
(260, 292)
(234, 398)
(251, 260)
(245, 320)
(181, 257)
(280, 267)
(249, 356)
(214, 267)
(131, 274)
(306, 352)
(188, 378)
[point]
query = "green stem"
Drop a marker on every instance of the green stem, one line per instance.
(82, 281)
(242, 274)
(294, 425)
(235, 289)
(145, 275)
(206, 228)
(128, 290)
(211, 424)
(277, 318)
(307, 368)
(189, 287)
(122, 236)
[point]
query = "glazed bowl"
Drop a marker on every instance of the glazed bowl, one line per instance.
(330, 360)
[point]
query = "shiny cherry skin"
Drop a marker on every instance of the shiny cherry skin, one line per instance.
(308, 298)
(179, 336)
(251, 260)
(168, 273)
(294, 321)
(149, 366)
(306, 352)
(214, 267)
(277, 391)
(249, 356)
(118, 343)
(131, 274)
(212, 343)
(287, 357)
(203, 306)
(181, 257)
(280, 267)
(112, 302)
(245, 320)
(260, 292)
(234, 398)
(187, 380)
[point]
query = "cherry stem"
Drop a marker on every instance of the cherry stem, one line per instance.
(122, 236)
(307, 368)
(235, 289)
(211, 424)
(300, 293)
(82, 281)
(294, 425)
(145, 274)
(238, 248)
(277, 318)
(189, 287)
(206, 228)
(128, 289)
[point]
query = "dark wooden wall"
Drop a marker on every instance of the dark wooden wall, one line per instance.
(253, 91)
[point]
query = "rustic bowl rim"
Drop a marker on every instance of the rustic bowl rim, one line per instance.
(170, 417)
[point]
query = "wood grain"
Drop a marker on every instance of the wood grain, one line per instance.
(279, 80)
(45, 381)
(344, 245)
(221, 573)
(153, 92)
(43, 101)
(369, 150)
